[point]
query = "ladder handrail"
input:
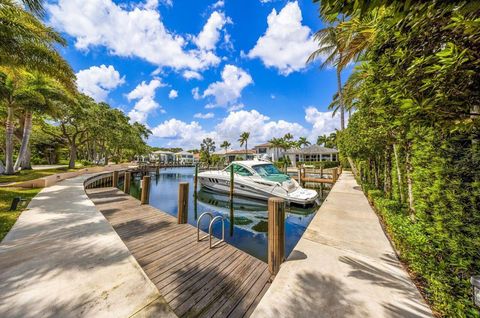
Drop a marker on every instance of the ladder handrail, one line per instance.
(218, 217)
(198, 225)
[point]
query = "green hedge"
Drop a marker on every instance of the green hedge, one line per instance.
(438, 277)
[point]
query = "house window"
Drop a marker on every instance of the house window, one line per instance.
(262, 150)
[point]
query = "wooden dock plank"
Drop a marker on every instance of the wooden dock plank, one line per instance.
(195, 280)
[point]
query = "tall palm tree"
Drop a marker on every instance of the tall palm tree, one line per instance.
(243, 140)
(28, 43)
(225, 145)
(330, 46)
(302, 141)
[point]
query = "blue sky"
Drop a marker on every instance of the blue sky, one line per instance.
(195, 69)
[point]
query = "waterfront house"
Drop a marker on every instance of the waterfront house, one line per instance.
(233, 155)
(184, 157)
(313, 153)
(274, 153)
(162, 156)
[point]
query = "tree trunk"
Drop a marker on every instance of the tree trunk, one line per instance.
(409, 182)
(26, 163)
(340, 100)
(387, 185)
(399, 172)
(9, 126)
(27, 132)
(73, 155)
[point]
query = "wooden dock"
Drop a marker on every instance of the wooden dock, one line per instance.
(196, 281)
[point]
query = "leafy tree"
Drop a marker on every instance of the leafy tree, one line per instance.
(206, 148)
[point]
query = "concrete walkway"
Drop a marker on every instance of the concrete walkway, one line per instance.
(343, 266)
(63, 259)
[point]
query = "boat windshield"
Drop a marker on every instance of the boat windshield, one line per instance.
(270, 172)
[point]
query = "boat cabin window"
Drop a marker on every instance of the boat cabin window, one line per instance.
(238, 169)
(270, 172)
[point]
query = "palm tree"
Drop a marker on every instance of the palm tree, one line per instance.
(302, 141)
(330, 45)
(243, 140)
(225, 145)
(28, 43)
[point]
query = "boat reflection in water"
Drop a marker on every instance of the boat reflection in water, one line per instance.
(247, 220)
(249, 226)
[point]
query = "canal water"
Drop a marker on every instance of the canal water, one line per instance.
(246, 229)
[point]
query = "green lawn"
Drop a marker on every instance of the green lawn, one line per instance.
(25, 175)
(7, 218)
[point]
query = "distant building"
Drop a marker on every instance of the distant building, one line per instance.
(184, 157)
(274, 153)
(233, 155)
(313, 153)
(162, 156)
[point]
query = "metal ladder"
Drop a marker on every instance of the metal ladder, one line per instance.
(210, 227)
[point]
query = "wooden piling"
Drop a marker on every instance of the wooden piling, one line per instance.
(126, 182)
(195, 180)
(182, 203)
(276, 234)
(157, 170)
(321, 172)
(145, 194)
(334, 174)
(115, 179)
(232, 180)
(299, 176)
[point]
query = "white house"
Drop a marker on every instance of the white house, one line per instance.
(184, 157)
(274, 153)
(313, 153)
(162, 156)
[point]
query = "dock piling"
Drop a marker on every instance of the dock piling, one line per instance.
(334, 174)
(115, 179)
(145, 194)
(182, 202)
(195, 180)
(276, 234)
(126, 182)
(232, 176)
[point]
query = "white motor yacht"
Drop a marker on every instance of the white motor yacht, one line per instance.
(259, 180)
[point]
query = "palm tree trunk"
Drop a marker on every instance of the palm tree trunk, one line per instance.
(9, 126)
(399, 172)
(340, 99)
(27, 132)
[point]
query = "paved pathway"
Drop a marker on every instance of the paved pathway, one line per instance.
(63, 259)
(343, 266)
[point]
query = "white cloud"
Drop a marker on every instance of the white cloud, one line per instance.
(196, 94)
(174, 132)
(261, 128)
(322, 122)
(129, 31)
(227, 91)
(286, 43)
(204, 116)
(188, 75)
(173, 94)
(218, 4)
(98, 81)
(145, 94)
(207, 39)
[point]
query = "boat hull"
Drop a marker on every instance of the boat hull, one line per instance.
(219, 181)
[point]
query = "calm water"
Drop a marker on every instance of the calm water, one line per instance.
(248, 231)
